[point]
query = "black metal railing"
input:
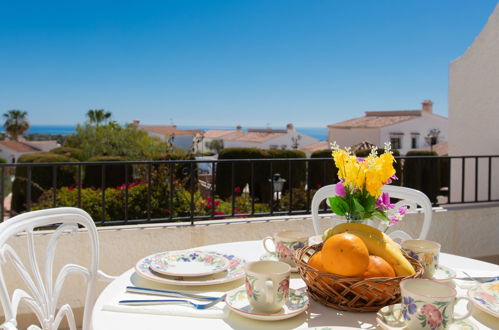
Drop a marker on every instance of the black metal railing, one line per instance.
(193, 190)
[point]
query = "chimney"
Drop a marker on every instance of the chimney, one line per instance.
(239, 128)
(136, 123)
(290, 128)
(427, 106)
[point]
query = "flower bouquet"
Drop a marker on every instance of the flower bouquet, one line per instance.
(358, 194)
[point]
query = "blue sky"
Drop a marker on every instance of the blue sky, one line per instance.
(255, 62)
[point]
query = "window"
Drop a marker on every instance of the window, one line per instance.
(396, 142)
(414, 140)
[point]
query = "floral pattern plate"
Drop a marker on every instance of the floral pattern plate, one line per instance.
(193, 263)
(268, 256)
(234, 272)
(486, 297)
(238, 302)
(443, 274)
(387, 318)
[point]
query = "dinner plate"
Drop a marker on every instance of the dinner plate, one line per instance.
(268, 256)
(233, 272)
(443, 274)
(189, 263)
(486, 297)
(387, 318)
(238, 302)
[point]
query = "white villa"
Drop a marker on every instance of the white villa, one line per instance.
(181, 138)
(405, 129)
(12, 150)
(266, 138)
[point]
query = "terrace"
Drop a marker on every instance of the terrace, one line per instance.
(175, 205)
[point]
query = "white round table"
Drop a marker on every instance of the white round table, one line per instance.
(317, 314)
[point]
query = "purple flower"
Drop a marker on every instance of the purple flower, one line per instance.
(340, 189)
(402, 210)
(408, 307)
(383, 202)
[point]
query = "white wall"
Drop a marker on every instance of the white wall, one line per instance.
(474, 109)
(421, 125)
(346, 137)
(7, 154)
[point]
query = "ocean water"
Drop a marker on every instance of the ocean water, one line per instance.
(316, 132)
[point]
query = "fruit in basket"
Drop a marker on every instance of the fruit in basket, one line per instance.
(378, 267)
(316, 262)
(345, 254)
(377, 243)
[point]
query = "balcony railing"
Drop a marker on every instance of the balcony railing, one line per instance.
(133, 192)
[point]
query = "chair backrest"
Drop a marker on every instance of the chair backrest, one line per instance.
(42, 291)
(413, 199)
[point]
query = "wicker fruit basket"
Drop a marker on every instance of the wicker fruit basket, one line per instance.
(347, 293)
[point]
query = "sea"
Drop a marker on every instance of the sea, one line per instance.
(316, 132)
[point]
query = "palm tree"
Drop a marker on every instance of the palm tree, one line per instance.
(16, 123)
(98, 116)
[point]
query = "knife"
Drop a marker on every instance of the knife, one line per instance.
(485, 279)
(168, 293)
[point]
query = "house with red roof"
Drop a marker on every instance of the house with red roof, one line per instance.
(12, 150)
(405, 129)
(181, 138)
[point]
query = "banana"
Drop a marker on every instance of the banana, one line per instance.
(378, 243)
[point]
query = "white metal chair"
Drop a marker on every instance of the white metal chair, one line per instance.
(42, 291)
(408, 197)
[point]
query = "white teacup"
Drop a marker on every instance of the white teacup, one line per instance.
(267, 285)
(424, 251)
(286, 243)
(427, 304)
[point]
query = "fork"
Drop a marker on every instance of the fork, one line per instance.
(168, 293)
(480, 280)
(171, 301)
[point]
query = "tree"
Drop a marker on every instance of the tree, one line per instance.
(98, 116)
(216, 145)
(16, 123)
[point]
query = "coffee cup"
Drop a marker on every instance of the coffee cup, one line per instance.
(267, 285)
(424, 251)
(427, 304)
(286, 243)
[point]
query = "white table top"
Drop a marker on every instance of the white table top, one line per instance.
(317, 314)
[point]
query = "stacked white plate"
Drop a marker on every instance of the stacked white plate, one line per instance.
(190, 268)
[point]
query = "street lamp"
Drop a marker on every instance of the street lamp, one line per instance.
(278, 184)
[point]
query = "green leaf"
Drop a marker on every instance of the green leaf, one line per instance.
(338, 205)
(380, 215)
(357, 206)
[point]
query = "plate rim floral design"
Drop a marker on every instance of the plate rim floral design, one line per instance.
(471, 294)
(383, 325)
(452, 273)
(267, 316)
(234, 272)
(159, 265)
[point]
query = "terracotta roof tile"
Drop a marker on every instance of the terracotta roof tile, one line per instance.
(251, 136)
(169, 130)
(18, 146)
(217, 133)
(374, 119)
(316, 146)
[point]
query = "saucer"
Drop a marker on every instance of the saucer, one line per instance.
(268, 256)
(189, 263)
(444, 274)
(485, 296)
(238, 302)
(387, 318)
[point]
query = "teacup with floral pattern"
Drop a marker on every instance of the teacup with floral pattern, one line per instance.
(427, 304)
(424, 251)
(267, 285)
(286, 243)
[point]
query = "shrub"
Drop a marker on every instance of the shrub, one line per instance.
(322, 173)
(423, 174)
(300, 200)
(41, 177)
(2, 160)
(114, 174)
(74, 153)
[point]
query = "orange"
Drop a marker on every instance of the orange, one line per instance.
(378, 267)
(316, 262)
(346, 255)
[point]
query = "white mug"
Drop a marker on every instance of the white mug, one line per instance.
(427, 304)
(424, 251)
(286, 243)
(267, 285)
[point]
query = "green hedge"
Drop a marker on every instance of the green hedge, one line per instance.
(423, 174)
(74, 153)
(397, 165)
(41, 177)
(318, 176)
(114, 174)
(2, 160)
(261, 185)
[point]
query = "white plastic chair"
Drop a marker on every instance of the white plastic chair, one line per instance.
(408, 197)
(42, 292)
